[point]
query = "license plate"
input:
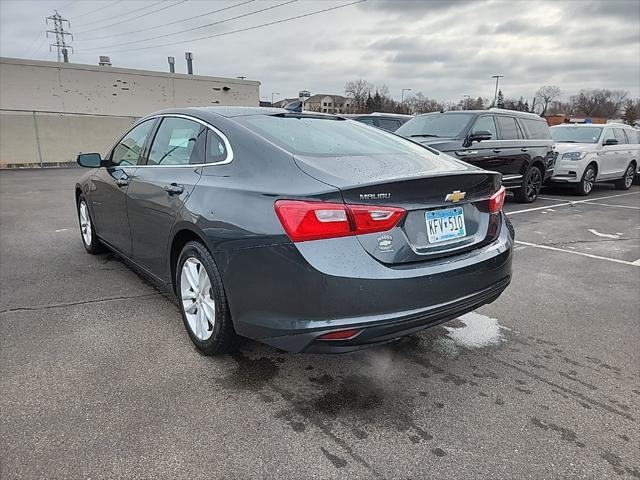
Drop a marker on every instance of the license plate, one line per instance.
(445, 224)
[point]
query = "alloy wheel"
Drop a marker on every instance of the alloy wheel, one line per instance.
(589, 179)
(85, 223)
(534, 184)
(628, 176)
(197, 298)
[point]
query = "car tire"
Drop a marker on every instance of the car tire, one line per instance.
(588, 180)
(627, 179)
(531, 185)
(203, 302)
(87, 230)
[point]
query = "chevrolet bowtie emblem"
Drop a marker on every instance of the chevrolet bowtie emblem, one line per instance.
(455, 197)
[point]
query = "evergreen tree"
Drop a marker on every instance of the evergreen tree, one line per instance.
(500, 100)
(368, 106)
(630, 113)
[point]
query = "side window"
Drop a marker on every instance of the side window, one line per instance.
(389, 124)
(367, 121)
(620, 136)
(536, 129)
(178, 142)
(634, 134)
(488, 124)
(508, 128)
(128, 151)
(608, 135)
(521, 134)
(216, 150)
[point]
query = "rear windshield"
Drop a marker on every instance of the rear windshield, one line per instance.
(436, 125)
(536, 129)
(576, 134)
(328, 136)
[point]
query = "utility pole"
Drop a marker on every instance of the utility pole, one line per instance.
(495, 95)
(272, 94)
(402, 95)
(59, 32)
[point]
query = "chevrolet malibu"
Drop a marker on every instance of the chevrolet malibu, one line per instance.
(307, 232)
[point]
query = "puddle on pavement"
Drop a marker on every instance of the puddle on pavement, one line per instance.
(473, 330)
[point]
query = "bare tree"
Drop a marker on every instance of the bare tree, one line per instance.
(547, 94)
(418, 103)
(359, 90)
(598, 102)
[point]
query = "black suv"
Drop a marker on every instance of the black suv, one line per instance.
(516, 144)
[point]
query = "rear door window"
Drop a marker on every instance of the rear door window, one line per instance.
(178, 142)
(367, 121)
(536, 129)
(488, 124)
(508, 128)
(216, 149)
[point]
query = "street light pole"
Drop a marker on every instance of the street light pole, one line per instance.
(495, 95)
(402, 95)
(272, 94)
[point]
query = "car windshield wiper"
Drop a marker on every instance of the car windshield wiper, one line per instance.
(567, 141)
(424, 135)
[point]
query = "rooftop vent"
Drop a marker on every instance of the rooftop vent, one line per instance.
(104, 61)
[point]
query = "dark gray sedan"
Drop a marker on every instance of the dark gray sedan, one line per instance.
(307, 232)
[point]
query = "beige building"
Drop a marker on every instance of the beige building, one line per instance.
(50, 111)
(328, 103)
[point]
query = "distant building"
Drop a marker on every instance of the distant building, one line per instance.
(560, 119)
(328, 103)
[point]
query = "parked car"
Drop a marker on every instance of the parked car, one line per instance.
(387, 121)
(589, 153)
(304, 231)
(516, 144)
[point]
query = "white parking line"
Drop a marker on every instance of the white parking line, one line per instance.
(610, 205)
(573, 252)
(570, 203)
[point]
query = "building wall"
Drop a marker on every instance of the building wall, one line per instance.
(61, 109)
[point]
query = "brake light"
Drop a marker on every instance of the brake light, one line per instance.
(304, 220)
(496, 201)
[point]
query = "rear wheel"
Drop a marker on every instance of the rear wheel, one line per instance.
(627, 179)
(87, 230)
(585, 185)
(531, 185)
(203, 302)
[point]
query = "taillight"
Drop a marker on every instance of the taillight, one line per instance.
(496, 201)
(317, 220)
(340, 335)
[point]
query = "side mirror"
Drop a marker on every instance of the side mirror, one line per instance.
(89, 160)
(480, 135)
(610, 141)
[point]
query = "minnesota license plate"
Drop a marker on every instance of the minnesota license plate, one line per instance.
(445, 224)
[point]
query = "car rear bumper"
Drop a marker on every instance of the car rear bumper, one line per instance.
(289, 295)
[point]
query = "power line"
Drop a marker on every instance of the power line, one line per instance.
(60, 33)
(33, 42)
(68, 4)
(169, 23)
(195, 28)
(134, 18)
(120, 15)
(241, 29)
(96, 10)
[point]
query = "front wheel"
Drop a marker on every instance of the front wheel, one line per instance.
(627, 179)
(585, 185)
(87, 230)
(203, 302)
(531, 185)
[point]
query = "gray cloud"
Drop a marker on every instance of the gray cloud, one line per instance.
(445, 49)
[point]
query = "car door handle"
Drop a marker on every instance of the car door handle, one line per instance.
(122, 182)
(524, 149)
(496, 150)
(465, 153)
(174, 189)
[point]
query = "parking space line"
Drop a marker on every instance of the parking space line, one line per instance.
(573, 252)
(570, 202)
(609, 205)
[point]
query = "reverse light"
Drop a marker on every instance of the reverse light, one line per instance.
(305, 221)
(496, 201)
(574, 156)
(340, 335)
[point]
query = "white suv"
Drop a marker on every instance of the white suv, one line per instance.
(589, 153)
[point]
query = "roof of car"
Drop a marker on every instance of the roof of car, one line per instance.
(582, 125)
(493, 110)
(231, 111)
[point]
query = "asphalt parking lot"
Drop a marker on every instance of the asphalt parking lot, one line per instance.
(99, 380)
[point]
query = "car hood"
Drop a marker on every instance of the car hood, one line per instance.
(575, 147)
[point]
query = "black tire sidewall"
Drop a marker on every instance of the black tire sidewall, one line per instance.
(197, 250)
(621, 183)
(582, 183)
(521, 193)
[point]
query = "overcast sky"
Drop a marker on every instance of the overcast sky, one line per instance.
(446, 49)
